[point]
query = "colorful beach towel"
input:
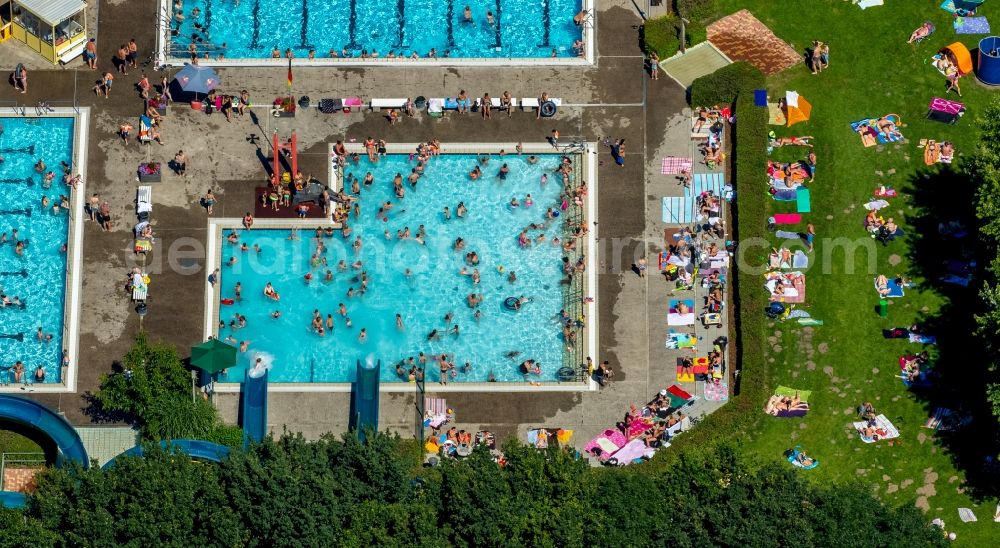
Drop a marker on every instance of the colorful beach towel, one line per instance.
(775, 116)
(786, 218)
(966, 515)
(677, 318)
(971, 25)
(674, 165)
(879, 136)
(681, 340)
(716, 391)
(895, 289)
(608, 442)
(633, 451)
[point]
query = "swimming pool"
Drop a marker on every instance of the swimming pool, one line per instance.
(38, 276)
(252, 29)
(494, 345)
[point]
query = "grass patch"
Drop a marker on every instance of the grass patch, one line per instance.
(873, 72)
(16, 439)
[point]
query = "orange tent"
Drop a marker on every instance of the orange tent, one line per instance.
(797, 109)
(959, 55)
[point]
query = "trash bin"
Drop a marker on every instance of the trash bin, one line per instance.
(420, 102)
(883, 308)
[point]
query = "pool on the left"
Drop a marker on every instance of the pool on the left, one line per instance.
(39, 260)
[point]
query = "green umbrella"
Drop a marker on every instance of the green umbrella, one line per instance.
(213, 356)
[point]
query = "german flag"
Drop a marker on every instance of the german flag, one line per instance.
(289, 73)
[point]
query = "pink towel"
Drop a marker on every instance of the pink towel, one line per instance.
(672, 164)
(787, 218)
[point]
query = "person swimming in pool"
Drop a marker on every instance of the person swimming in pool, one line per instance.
(270, 293)
(467, 15)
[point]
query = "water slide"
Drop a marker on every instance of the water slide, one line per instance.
(254, 413)
(35, 415)
(365, 398)
(196, 449)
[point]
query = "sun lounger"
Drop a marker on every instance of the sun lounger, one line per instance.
(142, 246)
(379, 104)
(144, 200)
(139, 287)
(145, 129)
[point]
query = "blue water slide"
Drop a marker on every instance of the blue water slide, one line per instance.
(35, 415)
(254, 413)
(365, 398)
(196, 449)
(40, 417)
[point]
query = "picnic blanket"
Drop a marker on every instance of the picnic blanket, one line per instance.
(786, 392)
(681, 340)
(950, 7)
(971, 25)
(673, 165)
(608, 442)
(947, 420)
(865, 4)
(883, 426)
(787, 234)
(675, 318)
(895, 288)
(793, 283)
(716, 391)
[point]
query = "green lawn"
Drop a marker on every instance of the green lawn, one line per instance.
(874, 72)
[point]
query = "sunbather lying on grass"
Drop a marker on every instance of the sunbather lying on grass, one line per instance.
(923, 31)
(777, 404)
(792, 141)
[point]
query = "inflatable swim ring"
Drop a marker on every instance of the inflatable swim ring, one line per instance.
(548, 109)
(145, 280)
(511, 303)
(227, 301)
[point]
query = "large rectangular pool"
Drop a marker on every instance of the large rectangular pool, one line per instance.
(421, 277)
(34, 243)
(255, 29)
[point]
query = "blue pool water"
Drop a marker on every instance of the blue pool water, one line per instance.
(253, 28)
(23, 142)
(423, 298)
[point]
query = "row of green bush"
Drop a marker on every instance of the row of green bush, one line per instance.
(733, 85)
(152, 390)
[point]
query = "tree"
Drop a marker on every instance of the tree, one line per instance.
(152, 390)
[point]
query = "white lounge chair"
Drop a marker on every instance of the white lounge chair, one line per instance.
(379, 104)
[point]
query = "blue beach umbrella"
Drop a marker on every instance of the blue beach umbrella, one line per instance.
(197, 79)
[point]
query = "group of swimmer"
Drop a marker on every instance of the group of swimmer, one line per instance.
(201, 45)
(321, 324)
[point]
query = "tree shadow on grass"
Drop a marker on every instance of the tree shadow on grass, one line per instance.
(940, 196)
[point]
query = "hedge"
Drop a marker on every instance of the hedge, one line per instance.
(734, 85)
(661, 35)
(698, 13)
(724, 85)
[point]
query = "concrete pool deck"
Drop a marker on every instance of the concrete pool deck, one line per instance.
(611, 98)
